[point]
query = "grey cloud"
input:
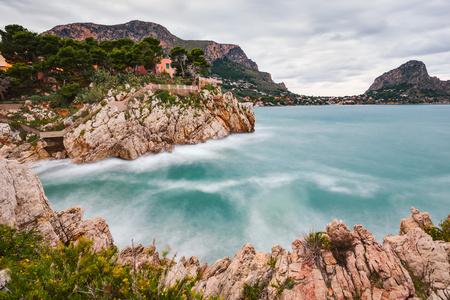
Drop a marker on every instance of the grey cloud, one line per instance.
(314, 46)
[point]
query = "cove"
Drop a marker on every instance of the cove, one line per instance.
(301, 168)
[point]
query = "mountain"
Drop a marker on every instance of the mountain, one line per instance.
(242, 73)
(137, 30)
(408, 84)
(413, 74)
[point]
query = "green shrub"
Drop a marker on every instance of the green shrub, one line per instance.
(76, 272)
(288, 283)
(272, 262)
(313, 245)
(56, 100)
(84, 113)
(82, 132)
(104, 79)
(162, 95)
(23, 135)
(15, 125)
(88, 95)
(59, 127)
(69, 91)
(36, 99)
(253, 292)
(33, 138)
(442, 233)
(210, 87)
(17, 245)
(103, 103)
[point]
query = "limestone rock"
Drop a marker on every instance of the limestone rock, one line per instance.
(22, 200)
(417, 219)
(132, 128)
(426, 259)
(24, 205)
(138, 256)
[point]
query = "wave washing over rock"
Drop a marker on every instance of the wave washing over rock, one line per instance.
(363, 269)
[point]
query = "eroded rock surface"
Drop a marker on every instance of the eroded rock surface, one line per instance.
(416, 220)
(24, 205)
(148, 125)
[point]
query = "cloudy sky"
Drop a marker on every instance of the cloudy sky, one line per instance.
(317, 47)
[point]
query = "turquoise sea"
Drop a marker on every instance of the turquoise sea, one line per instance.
(300, 169)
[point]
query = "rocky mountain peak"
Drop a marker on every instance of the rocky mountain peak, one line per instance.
(138, 30)
(413, 73)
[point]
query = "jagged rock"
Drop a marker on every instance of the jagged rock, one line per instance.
(22, 200)
(138, 256)
(370, 271)
(25, 206)
(425, 258)
(182, 269)
(23, 153)
(228, 277)
(417, 219)
(135, 129)
(27, 153)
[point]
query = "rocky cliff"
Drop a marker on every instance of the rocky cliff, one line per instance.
(24, 205)
(137, 30)
(346, 265)
(412, 73)
(151, 123)
(130, 123)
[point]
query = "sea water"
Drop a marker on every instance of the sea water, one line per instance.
(299, 170)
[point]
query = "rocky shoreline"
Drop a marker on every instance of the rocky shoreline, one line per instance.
(361, 268)
(134, 123)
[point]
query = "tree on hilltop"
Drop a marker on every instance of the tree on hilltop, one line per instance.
(179, 57)
(18, 45)
(199, 63)
(146, 53)
(188, 64)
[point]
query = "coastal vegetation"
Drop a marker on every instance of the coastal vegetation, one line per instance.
(62, 69)
(74, 271)
(442, 232)
(247, 83)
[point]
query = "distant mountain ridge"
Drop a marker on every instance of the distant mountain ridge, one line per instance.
(413, 73)
(137, 30)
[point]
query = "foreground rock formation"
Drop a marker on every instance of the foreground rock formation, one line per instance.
(354, 265)
(24, 205)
